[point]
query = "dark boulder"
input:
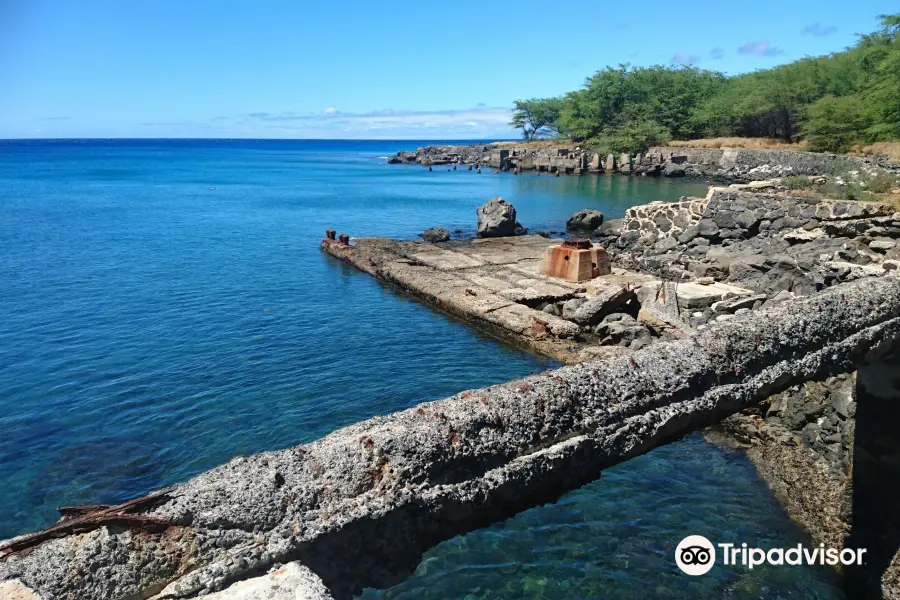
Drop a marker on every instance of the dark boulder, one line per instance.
(673, 170)
(497, 218)
(611, 228)
(436, 234)
(585, 220)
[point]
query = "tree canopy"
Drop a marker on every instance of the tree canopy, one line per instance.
(831, 101)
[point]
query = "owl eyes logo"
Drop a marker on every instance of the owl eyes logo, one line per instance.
(695, 555)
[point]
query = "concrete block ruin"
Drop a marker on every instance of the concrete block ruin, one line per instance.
(575, 260)
(358, 507)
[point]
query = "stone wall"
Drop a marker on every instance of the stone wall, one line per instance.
(729, 164)
(748, 165)
(766, 242)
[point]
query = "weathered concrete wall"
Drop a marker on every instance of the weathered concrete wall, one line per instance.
(875, 522)
(830, 452)
(359, 506)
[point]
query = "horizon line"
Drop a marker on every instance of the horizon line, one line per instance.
(67, 138)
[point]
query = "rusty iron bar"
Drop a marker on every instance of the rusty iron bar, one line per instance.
(80, 519)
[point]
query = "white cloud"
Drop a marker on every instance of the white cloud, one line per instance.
(470, 123)
(764, 48)
(684, 59)
(818, 30)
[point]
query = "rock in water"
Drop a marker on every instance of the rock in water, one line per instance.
(585, 220)
(673, 170)
(497, 218)
(436, 234)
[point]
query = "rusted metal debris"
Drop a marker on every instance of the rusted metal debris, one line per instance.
(81, 519)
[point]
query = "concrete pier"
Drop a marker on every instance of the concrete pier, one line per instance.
(496, 284)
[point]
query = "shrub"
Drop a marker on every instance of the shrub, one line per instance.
(881, 183)
(797, 182)
(636, 136)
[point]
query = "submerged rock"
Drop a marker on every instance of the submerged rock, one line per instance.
(497, 218)
(436, 234)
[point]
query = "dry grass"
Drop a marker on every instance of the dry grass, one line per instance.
(539, 144)
(737, 142)
(889, 149)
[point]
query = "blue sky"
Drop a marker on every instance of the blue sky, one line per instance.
(363, 69)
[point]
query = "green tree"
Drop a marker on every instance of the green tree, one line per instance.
(834, 101)
(536, 117)
(834, 123)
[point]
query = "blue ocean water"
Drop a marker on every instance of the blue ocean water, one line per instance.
(165, 307)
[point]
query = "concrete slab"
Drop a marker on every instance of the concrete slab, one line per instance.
(440, 258)
(502, 251)
(529, 322)
(695, 295)
(537, 291)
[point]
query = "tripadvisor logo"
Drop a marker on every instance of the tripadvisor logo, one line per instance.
(696, 555)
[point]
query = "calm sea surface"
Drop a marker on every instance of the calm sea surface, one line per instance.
(164, 307)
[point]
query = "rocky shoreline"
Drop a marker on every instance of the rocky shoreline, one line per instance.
(725, 165)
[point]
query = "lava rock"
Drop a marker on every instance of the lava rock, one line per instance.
(436, 234)
(570, 306)
(497, 218)
(595, 308)
(585, 220)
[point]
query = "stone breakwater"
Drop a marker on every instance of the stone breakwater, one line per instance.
(358, 507)
(728, 164)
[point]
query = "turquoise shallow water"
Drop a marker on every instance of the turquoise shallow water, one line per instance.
(154, 327)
